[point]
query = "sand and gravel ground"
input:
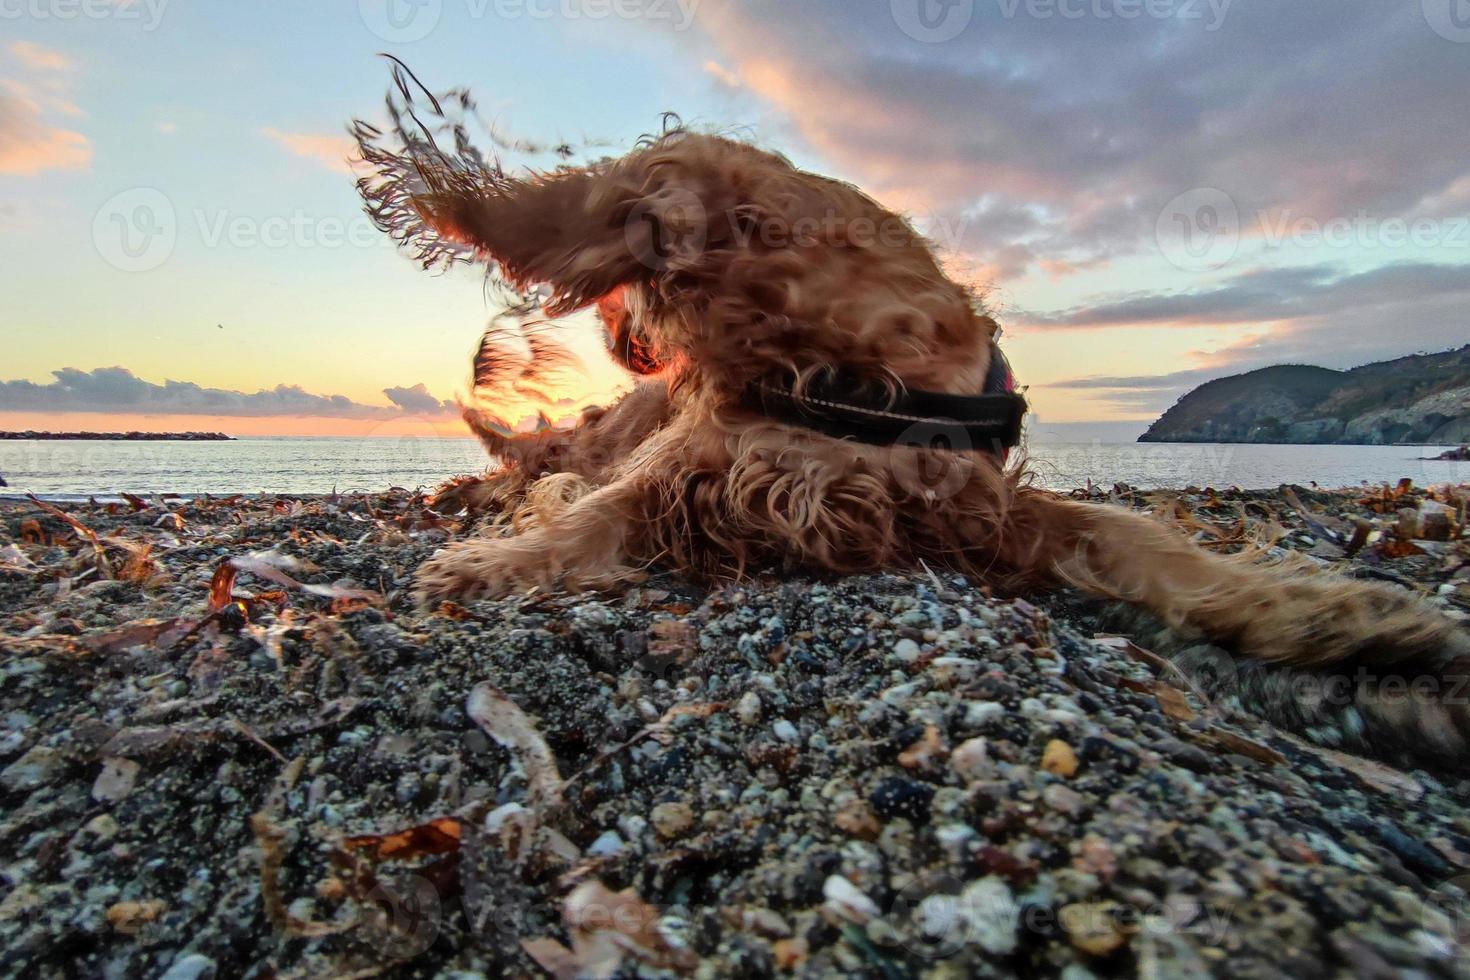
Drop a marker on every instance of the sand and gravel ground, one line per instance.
(230, 747)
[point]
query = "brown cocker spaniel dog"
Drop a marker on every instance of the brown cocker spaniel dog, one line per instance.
(793, 339)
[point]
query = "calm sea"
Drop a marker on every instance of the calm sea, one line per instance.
(319, 465)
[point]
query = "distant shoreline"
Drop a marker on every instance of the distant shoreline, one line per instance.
(124, 436)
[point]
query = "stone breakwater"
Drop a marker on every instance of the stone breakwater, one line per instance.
(123, 436)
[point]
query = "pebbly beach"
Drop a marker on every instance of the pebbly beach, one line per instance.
(230, 746)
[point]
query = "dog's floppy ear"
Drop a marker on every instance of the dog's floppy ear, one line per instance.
(563, 229)
(581, 231)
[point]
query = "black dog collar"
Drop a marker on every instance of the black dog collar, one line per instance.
(990, 421)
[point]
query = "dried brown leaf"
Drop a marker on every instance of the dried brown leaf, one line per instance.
(553, 957)
(133, 634)
(439, 836)
(1228, 741)
(607, 925)
(222, 586)
(1172, 702)
(1397, 548)
(269, 566)
(1377, 775)
(504, 721)
(84, 532)
(673, 639)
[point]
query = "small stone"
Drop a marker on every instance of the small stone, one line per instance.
(897, 796)
(116, 780)
(1063, 799)
(847, 900)
(978, 714)
(672, 820)
(790, 953)
(748, 708)
(949, 671)
(992, 914)
(785, 731)
(1091, 927)
(38, 767)
(971, 760)
(20, 900)
(558, 846)
(1191, 757)
(954, 837)
(926, 753)
(765, 922)
(1095, 856)
(129, 918)
(331, 889)
(906, 650)
(507, 813)
(1076, 971)
(997, 861)
(857, 818)
(607, 844)
(195, 966)
(11, 743)
(102, 827)
(1059, 759)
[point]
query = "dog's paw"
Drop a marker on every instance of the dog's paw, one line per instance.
(484, 569)
(1323, 620)
(1416, 707)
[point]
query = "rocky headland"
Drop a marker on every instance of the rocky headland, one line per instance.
(1423, 399)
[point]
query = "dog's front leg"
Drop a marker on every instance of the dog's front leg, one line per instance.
(582, 546)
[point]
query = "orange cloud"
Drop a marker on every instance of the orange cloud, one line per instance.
(723, 75)
(37, 56)
(28, 146)
(332, 152)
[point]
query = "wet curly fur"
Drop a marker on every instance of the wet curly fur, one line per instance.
(712, 264)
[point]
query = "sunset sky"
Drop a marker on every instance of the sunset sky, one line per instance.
(1155, 192)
